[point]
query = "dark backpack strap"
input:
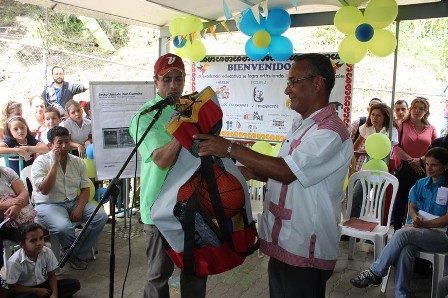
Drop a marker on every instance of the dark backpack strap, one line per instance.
(215, 198)
(189, 233)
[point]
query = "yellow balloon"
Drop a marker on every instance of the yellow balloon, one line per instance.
(196, 51)
(345, 183)
(261, 39)
(92, 190)
(262, 147)
(375, 165)
(351, 50)
(347, 19)
(381, 13)
(276, 149)
(175, 25)
(383, 43)
(190, 25)
(182, 52)
(90, 165)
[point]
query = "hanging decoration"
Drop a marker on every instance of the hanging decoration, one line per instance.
(186, 38)
(365, 32)
(266, 33)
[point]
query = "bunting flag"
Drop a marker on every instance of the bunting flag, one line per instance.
(264, 7)
(237, 19)
(223, 23)
(256, 12)
(212, 31)
(295, 3)
(227, 12)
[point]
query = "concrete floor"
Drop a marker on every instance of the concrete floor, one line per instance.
(248, 280)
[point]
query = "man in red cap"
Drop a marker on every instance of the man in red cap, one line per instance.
(159, 151)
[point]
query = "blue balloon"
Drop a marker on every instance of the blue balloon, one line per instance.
(278, 21)
(254, 52)
(89, 151)
(249, 25)
(178, 42)
(101, 193)
(364, 32)
(281, 48)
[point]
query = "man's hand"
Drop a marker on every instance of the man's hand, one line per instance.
(81, 151)
(56, 154)
(42, 292)
(212, 145)
(76, 215)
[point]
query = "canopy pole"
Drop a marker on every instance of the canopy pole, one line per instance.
(394, 80)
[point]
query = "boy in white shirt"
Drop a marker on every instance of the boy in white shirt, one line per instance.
(52, 118)
(31, 269)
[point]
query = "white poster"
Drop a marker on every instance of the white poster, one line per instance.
(113, 105)
(251, 94)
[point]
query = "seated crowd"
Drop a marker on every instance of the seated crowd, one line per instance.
(60, 190)
(419, 161)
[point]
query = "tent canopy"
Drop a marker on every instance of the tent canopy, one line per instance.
(159, 13)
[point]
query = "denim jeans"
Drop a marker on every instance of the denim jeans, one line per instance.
(56, 219)
(401, 251)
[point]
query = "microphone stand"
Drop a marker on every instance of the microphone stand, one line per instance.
(113, 190)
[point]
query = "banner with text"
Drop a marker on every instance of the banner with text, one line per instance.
(113, 105)
(251, 94)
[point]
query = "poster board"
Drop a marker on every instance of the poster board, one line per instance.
(113, 105)
(251, 94)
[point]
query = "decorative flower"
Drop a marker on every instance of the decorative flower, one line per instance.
(365, 32)
(266, 35)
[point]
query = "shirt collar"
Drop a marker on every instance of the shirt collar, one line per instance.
(440, 182)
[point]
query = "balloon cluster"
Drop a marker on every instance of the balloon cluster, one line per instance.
(266, 35)
(265, 148)
(90, 165)
(377, 147)
(366, 31)
(186, 40)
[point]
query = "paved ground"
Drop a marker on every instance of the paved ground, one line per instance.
(248, 280)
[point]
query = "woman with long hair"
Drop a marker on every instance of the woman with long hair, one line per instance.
(378, 121)
(415, 137)
(425, 228)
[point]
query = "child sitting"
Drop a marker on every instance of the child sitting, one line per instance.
(80, 129)
(52, 118)
(31, 269)
(18, 139)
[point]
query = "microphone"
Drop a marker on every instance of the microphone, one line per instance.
(169, 100)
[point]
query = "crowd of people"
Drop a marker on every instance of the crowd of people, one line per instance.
(419, 160)
(52, 139)
(298, 228)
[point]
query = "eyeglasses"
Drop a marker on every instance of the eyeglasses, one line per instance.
(290, 82)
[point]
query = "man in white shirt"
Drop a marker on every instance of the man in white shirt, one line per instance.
(57, 176)
(298, 228)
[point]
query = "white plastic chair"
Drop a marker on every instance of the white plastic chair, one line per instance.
(374, 185)
(256, 193)
(25, 175)
(439, 267)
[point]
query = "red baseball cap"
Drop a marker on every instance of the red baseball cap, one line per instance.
(168, 62)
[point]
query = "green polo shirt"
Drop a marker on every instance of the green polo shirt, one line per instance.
(151, 176)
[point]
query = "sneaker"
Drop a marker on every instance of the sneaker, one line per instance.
(366, 278)
(77, 264)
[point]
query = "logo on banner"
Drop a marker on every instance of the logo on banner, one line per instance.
(336, 65)
(254, 116)
(202, 67)
(279, 123)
